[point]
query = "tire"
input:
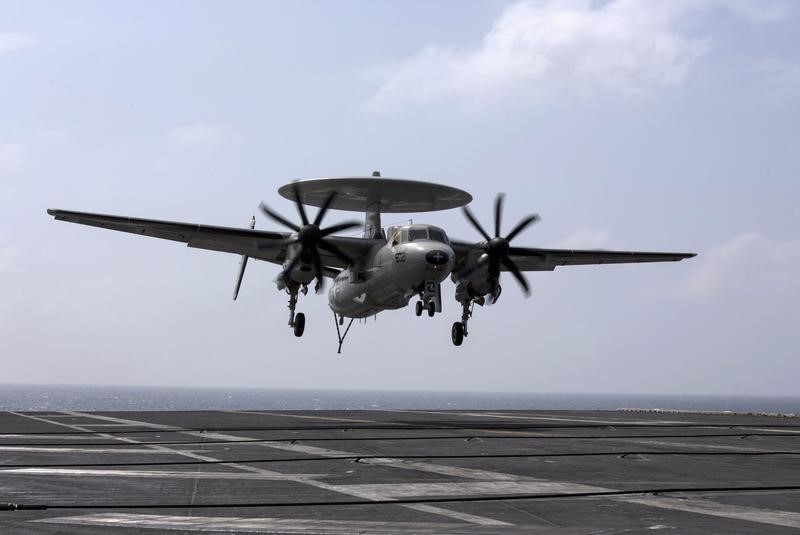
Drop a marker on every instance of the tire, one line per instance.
(457, 333)
(419, 308)
(299, 324)
(431, 309)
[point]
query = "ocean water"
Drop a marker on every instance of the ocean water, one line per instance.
(22, 397)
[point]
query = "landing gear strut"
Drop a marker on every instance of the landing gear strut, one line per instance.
(296, 321)
(459, 330)
(468, 299)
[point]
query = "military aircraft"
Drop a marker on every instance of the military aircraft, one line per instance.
(385, 268)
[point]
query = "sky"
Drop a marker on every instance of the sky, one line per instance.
(625, 124)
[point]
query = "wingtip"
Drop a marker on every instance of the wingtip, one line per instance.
(52, 211)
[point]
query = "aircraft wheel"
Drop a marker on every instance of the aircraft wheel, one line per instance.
(457, 333)
(299, 324)
(431, 309)
(419, 308)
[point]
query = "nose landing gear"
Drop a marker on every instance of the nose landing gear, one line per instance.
(430, 299)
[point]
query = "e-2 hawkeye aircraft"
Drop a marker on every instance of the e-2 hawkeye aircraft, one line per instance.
(383, 269)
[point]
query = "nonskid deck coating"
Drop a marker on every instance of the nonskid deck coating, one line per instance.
(398, 472)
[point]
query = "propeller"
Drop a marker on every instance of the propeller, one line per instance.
(311, 236)
(496, 250)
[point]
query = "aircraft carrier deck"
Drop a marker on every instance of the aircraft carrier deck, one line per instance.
(398, 472)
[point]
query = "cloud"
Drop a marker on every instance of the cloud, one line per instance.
(622, 46)
(538, 48)
(760, 10)
(14, 41)
(203, 135)
(747, 262)
(586, 238)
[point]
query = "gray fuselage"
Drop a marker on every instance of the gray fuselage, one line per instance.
(415, 259)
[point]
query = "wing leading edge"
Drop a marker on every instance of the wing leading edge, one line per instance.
(539, 259)
(259, 244)
(535, 259)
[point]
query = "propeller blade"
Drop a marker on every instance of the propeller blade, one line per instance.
(498, 213)
(512, 267)
(334, 250)
(475, 223)
(340, 227)
(315, 259)
(292, 264)
(272, 214)
(324, 208)
(300, 209)
(522, 225)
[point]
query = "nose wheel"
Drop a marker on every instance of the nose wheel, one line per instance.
(421, 307)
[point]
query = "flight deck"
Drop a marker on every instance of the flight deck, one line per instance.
(398, 472)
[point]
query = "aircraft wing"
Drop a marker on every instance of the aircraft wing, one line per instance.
(259, 244)
(531, 259)
(539, 259)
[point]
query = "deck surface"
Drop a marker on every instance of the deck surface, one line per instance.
(398, 472)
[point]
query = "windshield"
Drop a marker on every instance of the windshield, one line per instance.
(437, 235)
(415, 234)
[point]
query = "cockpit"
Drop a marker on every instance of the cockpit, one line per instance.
(417, 233)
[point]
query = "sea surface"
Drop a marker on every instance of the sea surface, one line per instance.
(20, 397)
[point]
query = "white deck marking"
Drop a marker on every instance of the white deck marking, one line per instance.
(374, 491)
(475, 519)
(672, 444)
(38, 437)
(773, 430)
(704, 507)
(257, 525)
(543, 417)
(310, 417)
(586, 419)
(170, 474)
(472, 488)
(104, 425)
(74, 449)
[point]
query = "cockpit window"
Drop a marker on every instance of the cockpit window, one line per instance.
(415, 234)
(437, 235)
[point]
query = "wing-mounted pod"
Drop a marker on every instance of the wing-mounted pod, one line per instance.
(242, 264)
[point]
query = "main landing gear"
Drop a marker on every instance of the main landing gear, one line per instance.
(296, 321)
(459, 329)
